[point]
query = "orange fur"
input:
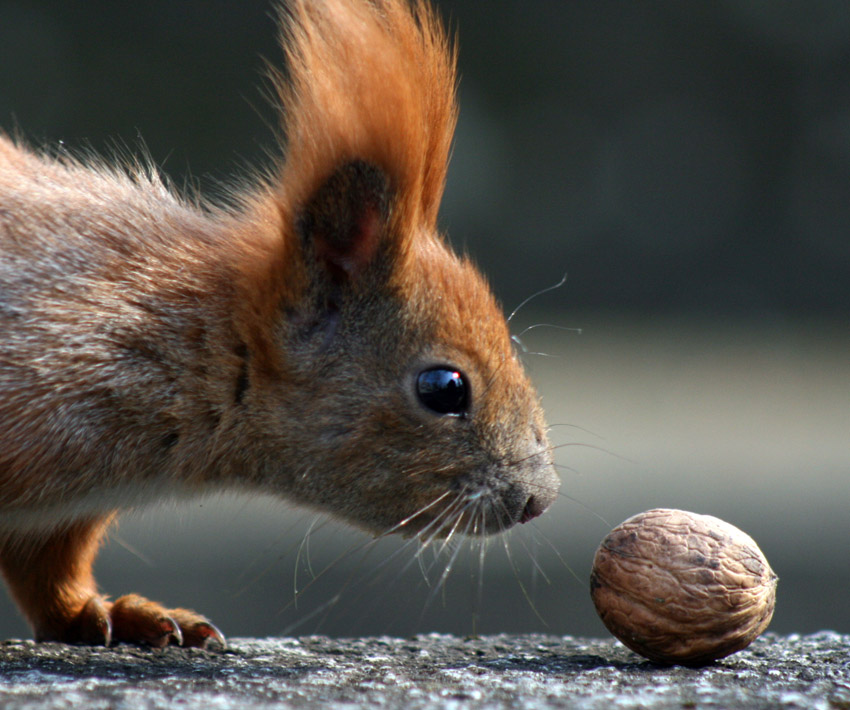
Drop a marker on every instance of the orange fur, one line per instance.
(158, 348)
(370, 82)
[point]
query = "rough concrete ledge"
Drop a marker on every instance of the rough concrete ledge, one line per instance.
(433, 671)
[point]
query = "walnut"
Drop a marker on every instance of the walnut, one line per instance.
(677, 587)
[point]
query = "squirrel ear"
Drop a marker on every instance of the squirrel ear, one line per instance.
(345, 218)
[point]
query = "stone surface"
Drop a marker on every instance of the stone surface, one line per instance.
(432, 671)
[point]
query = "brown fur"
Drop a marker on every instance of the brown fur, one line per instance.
(156, 348)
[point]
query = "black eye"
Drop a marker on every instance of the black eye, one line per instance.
(443, 391)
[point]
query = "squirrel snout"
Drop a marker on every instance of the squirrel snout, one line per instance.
(534, 507)
(543, 494)
(522, 501)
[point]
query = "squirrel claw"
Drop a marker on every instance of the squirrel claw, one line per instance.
(202, 634)
(138, 620)
(198, 631)
(175, 634)
(92, 626)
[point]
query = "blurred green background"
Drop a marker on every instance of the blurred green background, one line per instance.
(686, 164)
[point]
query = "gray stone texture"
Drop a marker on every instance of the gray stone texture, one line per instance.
(433, 671)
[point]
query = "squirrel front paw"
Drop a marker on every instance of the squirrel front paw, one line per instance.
(135, 619)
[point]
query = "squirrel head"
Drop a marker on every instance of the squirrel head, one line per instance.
(391, 393)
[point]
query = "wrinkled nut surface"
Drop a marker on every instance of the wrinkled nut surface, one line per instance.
(678, 587)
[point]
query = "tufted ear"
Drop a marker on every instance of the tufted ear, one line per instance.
(343, 222)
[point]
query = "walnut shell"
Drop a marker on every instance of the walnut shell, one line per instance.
(678, 587)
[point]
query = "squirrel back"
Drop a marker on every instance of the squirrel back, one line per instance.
(315, 339)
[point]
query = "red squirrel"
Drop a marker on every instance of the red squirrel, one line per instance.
(316, 338)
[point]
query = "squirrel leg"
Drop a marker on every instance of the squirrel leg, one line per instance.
(50, 577)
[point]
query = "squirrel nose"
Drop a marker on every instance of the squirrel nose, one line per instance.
(543, 492)
(534, 507)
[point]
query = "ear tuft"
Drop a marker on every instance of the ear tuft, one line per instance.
(371, 81)
(345, 219)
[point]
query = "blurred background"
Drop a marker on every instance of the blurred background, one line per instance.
(687, 166)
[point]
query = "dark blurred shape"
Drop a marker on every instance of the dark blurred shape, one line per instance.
(670, 156)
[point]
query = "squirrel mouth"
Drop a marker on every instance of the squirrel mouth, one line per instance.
(497, 509)
(499, 515)
(475, 514)
(534, 508)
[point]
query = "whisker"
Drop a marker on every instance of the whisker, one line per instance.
(441, 582)
(304, 546)
(367, 582)
(588, 446)
(576, 426)
(535, 295)
(526, 351)
(447, 543)
(444, 534)
(532, 455)
(422, 568)
(522, 586)
(366, 548)
(426, 469)
(120, 540)
(577, 331)
(566, 444)
(440, 586)
(408, 519)
(250, 582)
(566, 565)
(482, 552)
(586, 507)
(564, 467)
(468, 501)
(425, 544)
(535, 562)
(287, 631)
(438, 523)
